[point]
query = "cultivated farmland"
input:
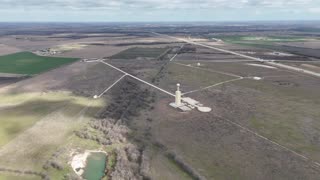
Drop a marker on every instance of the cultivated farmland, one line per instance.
(30, 64)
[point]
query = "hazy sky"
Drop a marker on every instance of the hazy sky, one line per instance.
(158, 10)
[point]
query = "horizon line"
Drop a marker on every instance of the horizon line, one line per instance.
(198, 21)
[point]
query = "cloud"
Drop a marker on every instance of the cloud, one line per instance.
(153, 4)
(314, 10)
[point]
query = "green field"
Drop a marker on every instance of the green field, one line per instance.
(136, 52)
(30, 64)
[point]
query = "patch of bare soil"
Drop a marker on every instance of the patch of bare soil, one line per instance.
(28, 43)
(94, 52)
(4, 49)
(305, 44)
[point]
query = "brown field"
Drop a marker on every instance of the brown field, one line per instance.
(5, 49)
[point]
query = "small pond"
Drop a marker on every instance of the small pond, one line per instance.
(95, 167)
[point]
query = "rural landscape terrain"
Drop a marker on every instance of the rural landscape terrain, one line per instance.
(92, 101)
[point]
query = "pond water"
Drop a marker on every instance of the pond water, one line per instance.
(96, 165)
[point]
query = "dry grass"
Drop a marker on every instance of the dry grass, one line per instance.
(41, 130)
(69, 47)
(4, 49)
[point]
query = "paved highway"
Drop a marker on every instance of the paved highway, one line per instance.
(269, 62)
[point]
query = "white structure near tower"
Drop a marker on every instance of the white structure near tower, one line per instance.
(186, 104)
(178, 96)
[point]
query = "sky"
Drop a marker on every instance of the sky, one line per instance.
(157, 10)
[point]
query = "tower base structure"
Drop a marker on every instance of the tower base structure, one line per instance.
(188, 104)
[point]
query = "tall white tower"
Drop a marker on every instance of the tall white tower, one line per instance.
(178, 96)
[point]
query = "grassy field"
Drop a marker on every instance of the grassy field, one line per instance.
(165, 168)
(285, 107)
(19, 112)
(30, 123)
(288, 115)
(17, 177)
(264, 40)
(137, 52)
(190, 78)
(29, 63)
(285, 114)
